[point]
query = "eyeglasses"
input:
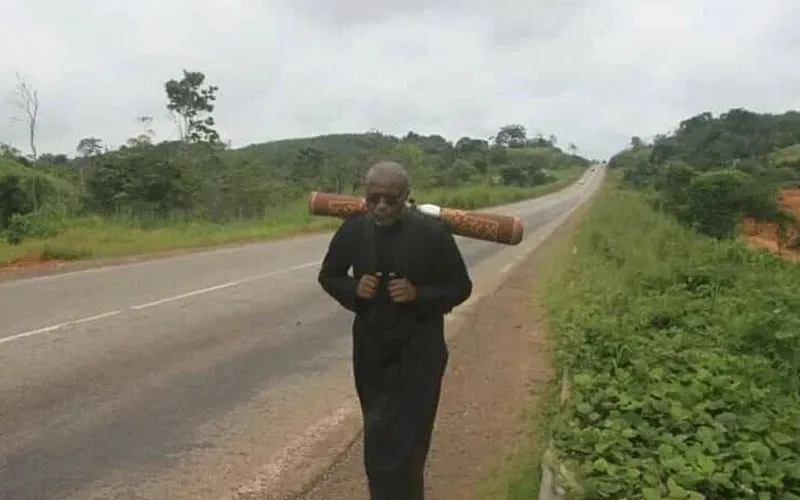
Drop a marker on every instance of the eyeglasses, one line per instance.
(374, 199)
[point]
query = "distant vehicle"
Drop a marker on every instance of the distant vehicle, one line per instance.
(582, 181)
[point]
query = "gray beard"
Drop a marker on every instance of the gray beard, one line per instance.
(388, 223)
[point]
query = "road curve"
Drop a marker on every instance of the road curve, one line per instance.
(178, 378)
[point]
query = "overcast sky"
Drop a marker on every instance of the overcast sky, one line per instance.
(592, 72)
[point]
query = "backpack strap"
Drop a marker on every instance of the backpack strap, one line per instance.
(368, 232)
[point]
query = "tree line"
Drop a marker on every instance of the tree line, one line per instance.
(199, 176)
(714, 170)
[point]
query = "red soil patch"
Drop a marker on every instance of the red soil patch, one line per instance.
(765, 234)
(30, 260)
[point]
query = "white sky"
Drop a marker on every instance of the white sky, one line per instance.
(593, 72)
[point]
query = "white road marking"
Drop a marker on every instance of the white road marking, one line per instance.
(192, 254)
(290, 456)
(225, 285)
(165, 300)
(56, 327)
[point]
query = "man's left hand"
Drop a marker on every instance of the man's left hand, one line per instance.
(401, 290)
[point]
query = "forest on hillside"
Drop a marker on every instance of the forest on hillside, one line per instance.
(199, 177)
(713, 170)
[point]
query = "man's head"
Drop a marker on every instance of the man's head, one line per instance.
(387, 188)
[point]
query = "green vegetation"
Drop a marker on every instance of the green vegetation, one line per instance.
(517, 475)
(98, 237)
(197, 191)
(788, 156)
(712, 171)
(684, 360)
(680, 343)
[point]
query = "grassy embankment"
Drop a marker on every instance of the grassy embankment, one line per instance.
(683, 360)
(96, 237)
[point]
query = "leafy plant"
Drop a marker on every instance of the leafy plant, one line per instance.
(685, 360)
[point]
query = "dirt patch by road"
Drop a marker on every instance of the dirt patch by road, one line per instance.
(765, 234)
(498, 369)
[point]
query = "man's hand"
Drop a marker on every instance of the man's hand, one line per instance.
(401, 290)
(367, 286)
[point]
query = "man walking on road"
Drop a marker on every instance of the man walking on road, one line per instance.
(407, 274)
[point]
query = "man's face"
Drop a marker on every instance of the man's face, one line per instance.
(385, 200)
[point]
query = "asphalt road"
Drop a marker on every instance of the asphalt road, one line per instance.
(181, 377)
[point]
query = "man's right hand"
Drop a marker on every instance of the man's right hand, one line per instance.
(367, 286)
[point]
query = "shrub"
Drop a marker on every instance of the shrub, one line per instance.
(685, 360)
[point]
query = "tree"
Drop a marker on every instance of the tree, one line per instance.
(13, 199)
(637, 142)
(308, 164)
(88, 147)
(461, 172)
(144, 181)
(147, 135)
(54, 159)
(27, 99)
(147, 123)
(414, 159)
(9, 151)
(715, 201)
(191, 106)
(148, 181)
(512, 136)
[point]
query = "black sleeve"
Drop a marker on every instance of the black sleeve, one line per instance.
(455, 285)
(333, 274)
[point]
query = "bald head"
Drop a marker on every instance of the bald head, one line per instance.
(387, 188)
(387, 173)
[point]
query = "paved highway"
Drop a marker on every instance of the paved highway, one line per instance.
(181, 378)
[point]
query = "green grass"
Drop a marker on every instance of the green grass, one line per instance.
(790, 154)
(8, 168)
(684, 355)
(517, 475)
(95, 237)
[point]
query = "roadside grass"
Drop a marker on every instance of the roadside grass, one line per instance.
(683, 356)
(96, 237)
(517, 474)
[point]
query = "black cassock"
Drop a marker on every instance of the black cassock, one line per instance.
(399, 351)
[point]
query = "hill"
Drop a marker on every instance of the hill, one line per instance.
(677, 344)
(714, 170)
(197, 190)
(147, 196)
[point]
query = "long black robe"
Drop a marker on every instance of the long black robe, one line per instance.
(399, 351)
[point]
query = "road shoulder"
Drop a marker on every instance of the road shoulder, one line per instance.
(498, 372)
(48, 268)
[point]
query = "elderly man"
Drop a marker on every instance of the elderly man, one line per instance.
(407, 274)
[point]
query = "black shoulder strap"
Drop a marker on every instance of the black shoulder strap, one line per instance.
(413, 236)
(368, 231)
